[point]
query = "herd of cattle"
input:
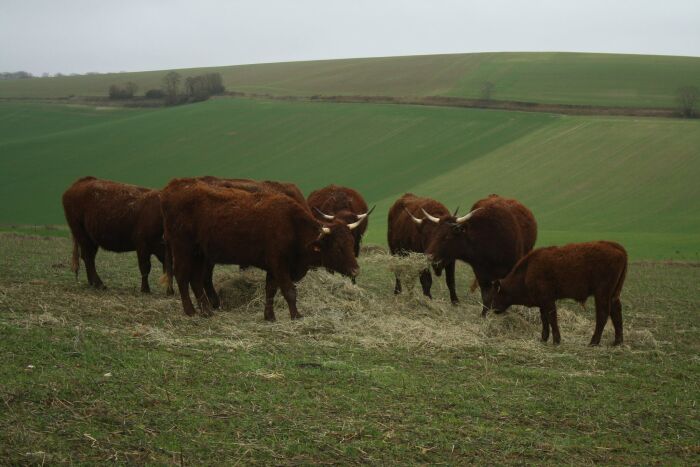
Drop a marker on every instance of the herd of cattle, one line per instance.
(195, 223)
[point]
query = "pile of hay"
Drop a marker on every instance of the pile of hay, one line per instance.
(370, 315)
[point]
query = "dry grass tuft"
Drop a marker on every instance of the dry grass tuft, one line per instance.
(335, 312)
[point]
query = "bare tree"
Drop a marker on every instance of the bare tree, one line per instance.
(171, 86)
(131, 88)
(688, 97)
(487, 90)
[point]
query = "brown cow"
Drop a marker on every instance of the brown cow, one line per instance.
(498, 233)
(206, 224)
(116, 217)
(406, 232)
(252, 186)
(339, 202)
(574, 271)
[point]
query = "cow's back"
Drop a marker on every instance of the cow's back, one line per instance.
(264, 224)
(107, 212)
(576, 270)
(503, 231)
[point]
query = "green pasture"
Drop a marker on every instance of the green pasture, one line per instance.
(116, 376)
(561, 78)
(633, 180)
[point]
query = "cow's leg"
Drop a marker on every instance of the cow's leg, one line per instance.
(165, 257)
(270, 291)
(197, 283)
(209, 286)
(288, 290)
(551, 311)
(616, 315)
(486, 298)
(88, 251)
(544, 317)
(183, 272)
(450, 281)
(357, 253)
(602, 311)
(144, 257)
(397, 286)
(426, 281)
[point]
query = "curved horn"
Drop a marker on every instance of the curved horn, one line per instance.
(362, 216)
(355, 224)
(456, 211)
(466, 217)
(415, 219)
(326, 216)
(429, 217)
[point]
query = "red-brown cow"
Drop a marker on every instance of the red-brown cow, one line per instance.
(205, 224)
(407, 232)
(574, 271)
(339, 202)
(117, 217)
(252, 186)
(492, 237)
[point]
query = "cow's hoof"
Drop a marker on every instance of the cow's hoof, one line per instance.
(616, 343)
(170, 292)
(455, 302)
(297, 316)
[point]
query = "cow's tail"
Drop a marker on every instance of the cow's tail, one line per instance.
(75, 263)
(474, 286)
(166, 280)
(620, 280)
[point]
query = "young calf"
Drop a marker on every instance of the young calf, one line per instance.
(574, 271)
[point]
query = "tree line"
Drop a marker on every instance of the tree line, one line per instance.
(174, 90)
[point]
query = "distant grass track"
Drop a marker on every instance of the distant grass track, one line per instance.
(554, 78)
(584, 177)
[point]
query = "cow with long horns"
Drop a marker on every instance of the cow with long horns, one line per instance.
(339, 202)
(492, 237)
(407, 232)
(206, 224)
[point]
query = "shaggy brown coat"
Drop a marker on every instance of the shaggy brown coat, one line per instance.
(574, 271)
(405, 234)
(252, 186)
(205, 224)
(499, 232)
(343, 203)
(116, 217)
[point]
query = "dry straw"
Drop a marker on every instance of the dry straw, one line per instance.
(336, 312)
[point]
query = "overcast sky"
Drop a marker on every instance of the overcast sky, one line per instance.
(92, 35)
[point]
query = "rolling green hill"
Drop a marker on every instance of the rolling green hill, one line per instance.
(554, 78)
(584, 177)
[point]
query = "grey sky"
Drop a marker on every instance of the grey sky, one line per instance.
(92, 35)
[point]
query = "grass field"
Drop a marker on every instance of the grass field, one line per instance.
(559, 78)
(93, 376)
(632, 180)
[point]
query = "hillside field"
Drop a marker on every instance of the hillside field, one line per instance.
(365, 377)
(552, 78)
(626, 179)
